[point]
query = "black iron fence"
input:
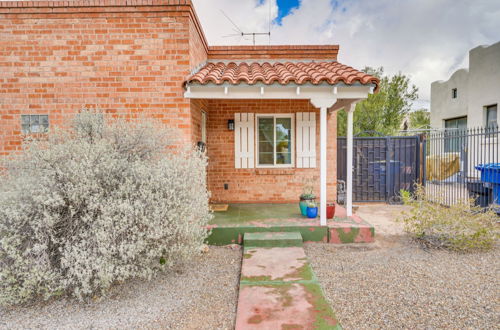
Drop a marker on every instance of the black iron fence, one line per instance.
(451, 164)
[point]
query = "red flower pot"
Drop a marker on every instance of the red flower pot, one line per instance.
(330, 210)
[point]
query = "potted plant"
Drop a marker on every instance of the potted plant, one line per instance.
(312, 210)
(306, 197)
(330, 210)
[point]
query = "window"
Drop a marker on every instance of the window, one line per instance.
(203, 127)
(491, 116)
(34, 123)
(274, 140)
(453, 137)
(454, 93)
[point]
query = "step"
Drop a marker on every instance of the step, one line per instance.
(272, 239)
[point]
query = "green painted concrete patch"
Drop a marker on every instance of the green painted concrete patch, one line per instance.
(234, 235)
(288, 264)
(272, 239)
(278, 290)
(244, 213)
(229, 227)
(284, 306)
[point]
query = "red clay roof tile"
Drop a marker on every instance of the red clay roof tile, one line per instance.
(280, 72)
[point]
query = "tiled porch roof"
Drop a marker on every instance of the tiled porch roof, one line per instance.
(280, 72)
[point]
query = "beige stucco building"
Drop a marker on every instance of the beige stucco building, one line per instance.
(470, 98)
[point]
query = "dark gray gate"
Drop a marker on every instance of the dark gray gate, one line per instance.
(382, 166)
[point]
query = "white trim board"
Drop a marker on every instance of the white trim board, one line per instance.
(277, 92)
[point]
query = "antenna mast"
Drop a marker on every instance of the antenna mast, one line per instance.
(242, 34)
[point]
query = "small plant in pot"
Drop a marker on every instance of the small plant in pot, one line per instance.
(312, 210)
(304, 200)
(306, 197)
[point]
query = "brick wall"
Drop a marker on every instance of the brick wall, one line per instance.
(124, 60)
(197, 106)
(198, 47)
(260, 185)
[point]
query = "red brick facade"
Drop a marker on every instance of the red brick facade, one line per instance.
(124, 60)
(131, 58)
(259, 184)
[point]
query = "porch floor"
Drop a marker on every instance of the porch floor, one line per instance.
(228, 227)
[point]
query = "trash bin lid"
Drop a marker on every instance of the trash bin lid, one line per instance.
(490, 166)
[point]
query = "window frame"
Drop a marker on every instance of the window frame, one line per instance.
(454, 93)
(451, 143)
(487, 108)
(292, 139)
(42, 130)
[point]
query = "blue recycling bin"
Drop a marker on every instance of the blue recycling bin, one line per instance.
(392, 173)
(490, 173)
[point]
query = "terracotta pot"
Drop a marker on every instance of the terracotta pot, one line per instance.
(330, 210)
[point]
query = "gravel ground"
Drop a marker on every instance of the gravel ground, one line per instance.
(395, 284)
(200, 295)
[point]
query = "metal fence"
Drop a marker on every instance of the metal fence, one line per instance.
(382, 166)
(450, 165)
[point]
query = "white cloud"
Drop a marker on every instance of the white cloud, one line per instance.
(427, 39)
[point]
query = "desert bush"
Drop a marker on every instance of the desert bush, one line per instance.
(95, 205)
(461, 226)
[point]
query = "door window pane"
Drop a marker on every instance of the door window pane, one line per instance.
(283, 141)
(266, 140)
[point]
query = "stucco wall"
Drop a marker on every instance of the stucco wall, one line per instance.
(478, 86)
(443, 106)
(484, 82)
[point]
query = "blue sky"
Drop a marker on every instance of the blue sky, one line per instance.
(284, 8)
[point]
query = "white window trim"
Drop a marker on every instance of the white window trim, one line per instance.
(292, 137)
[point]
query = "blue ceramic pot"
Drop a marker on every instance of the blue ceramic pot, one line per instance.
(303, 208)
(312, 212)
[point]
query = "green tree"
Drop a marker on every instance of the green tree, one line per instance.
(420, 119)
(382, 112)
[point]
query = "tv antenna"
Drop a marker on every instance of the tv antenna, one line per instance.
(242, 34)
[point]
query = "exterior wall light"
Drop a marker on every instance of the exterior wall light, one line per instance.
(230, 124)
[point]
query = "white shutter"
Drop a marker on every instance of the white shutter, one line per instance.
(244, 140)
(306, 139)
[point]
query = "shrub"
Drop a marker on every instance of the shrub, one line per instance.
(462, 226)
(97, 204)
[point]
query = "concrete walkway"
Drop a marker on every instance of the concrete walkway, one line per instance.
(278, 289)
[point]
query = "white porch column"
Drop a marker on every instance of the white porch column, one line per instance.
(323, 165)
(350, 113)
(323, 105)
